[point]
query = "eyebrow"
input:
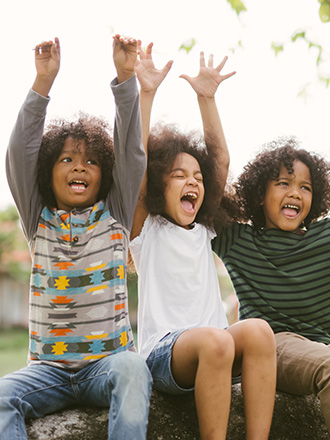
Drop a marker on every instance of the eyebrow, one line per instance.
(183, 170)
(292, 176)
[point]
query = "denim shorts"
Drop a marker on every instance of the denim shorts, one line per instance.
(159, 363)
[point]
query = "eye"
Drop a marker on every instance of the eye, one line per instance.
(66, 159)
(307, 188)
(92, 161)
(178, 176)
(282, 183)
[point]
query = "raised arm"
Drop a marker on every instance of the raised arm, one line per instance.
(25, 139)
(150, 79)
(47, 61)
(205, 86)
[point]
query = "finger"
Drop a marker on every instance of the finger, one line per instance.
(223, 77)
(202, 59)
(186, 77)
(223, 62)
(43, 47)
(140, 50)
(210, 61)
(167, 67)
(125, 39)
(56, 48)
(149, 50)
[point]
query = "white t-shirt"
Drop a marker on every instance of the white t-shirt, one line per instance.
(177, 281)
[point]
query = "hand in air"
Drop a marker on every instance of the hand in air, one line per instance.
(47, 59)
(207, 81)
(149, 77)
(124, 56)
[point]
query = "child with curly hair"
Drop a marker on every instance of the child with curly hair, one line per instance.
(76, 207)
(278, 260)
(182, 327)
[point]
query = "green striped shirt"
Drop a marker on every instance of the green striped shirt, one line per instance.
(281, 277)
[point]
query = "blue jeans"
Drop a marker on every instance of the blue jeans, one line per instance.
(159, 363)
(121, 382)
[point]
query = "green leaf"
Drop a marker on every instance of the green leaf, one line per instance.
(324, 12)
(277, 48)
(325, 80)
(237, 5)
(301, 34)
(188, 45)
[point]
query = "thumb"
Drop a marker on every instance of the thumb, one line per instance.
(167, 67)
(186, 77)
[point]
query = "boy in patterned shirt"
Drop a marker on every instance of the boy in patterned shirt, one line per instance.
(76, 208)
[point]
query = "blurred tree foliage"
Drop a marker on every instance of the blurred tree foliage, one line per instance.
(14, 253)
(322, 56)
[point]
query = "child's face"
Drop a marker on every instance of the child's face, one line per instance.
(184, 191)
(76, 177)
(288, 199)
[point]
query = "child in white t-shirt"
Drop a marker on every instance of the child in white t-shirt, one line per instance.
(182, 328)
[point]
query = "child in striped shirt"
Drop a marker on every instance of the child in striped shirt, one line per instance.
(278, 260)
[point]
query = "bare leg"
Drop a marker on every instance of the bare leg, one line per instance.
(204, 357)
(255, 358)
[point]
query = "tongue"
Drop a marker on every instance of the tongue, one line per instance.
(78, 187)
(187, 205)
(289, 212)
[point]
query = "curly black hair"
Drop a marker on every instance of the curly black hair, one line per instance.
(252, 183)
(164, 144)
(97, 135)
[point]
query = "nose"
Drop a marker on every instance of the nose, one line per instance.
(192, 181)
(295, 193)
(79, 167)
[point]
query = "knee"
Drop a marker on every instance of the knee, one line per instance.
(218, 346)
(8, 399)
(258, 334)
(130, 367)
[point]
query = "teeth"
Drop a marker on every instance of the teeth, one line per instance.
(77, 182)
(191, 195)
(292, 207)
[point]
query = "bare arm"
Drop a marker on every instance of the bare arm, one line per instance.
(205, 85)
(150, 79)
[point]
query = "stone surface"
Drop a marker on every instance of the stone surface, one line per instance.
(174, 417)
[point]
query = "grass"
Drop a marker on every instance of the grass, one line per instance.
(13, 350)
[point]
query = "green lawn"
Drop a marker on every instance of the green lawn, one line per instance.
(13, 350)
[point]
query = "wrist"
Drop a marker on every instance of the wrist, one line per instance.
(124, 75)
(206, 98)
(42, 85)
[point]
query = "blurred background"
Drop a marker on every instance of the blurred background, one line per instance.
(280, 50)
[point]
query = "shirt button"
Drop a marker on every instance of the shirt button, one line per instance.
(75, 239)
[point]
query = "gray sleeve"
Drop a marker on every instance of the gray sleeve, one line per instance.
(21, 161)
(130, 158)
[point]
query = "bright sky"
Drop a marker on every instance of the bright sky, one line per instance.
(258, 104)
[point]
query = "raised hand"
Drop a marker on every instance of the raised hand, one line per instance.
(209, 77)
(148, 76)
(47, 61)
(124, 56)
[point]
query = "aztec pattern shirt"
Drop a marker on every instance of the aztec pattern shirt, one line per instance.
(78, 290)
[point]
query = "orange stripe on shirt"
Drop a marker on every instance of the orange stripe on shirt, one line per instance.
(120, 306)
(116, 236)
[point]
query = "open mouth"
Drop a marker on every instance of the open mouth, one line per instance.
(188, 201)
(290, 211)
(78, 185)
